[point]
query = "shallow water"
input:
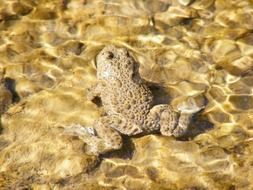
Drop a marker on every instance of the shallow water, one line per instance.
(195, 50)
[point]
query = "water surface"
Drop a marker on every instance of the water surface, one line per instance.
(200, 50)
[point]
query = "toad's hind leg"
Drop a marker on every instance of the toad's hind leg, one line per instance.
(104, 136)
(108, 129)
(100, 138)
(174, 123)
(104, 131)
(124, 126)
(162, 117)
(183, 124)
(170, 122)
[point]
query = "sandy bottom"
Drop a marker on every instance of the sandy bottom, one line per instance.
(202, 50)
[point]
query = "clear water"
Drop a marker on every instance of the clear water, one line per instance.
(200, 50)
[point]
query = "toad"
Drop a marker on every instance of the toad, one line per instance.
(128, 103)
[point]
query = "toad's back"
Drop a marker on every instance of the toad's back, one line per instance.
(132, 100)
(124, 92)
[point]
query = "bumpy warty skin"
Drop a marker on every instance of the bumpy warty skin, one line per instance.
(122, 90)
(128, 103)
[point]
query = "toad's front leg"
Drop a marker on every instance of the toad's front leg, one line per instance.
(94, 91)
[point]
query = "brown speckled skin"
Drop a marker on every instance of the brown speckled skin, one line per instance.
(128, 102)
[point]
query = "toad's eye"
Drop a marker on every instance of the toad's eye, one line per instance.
(109, 55)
